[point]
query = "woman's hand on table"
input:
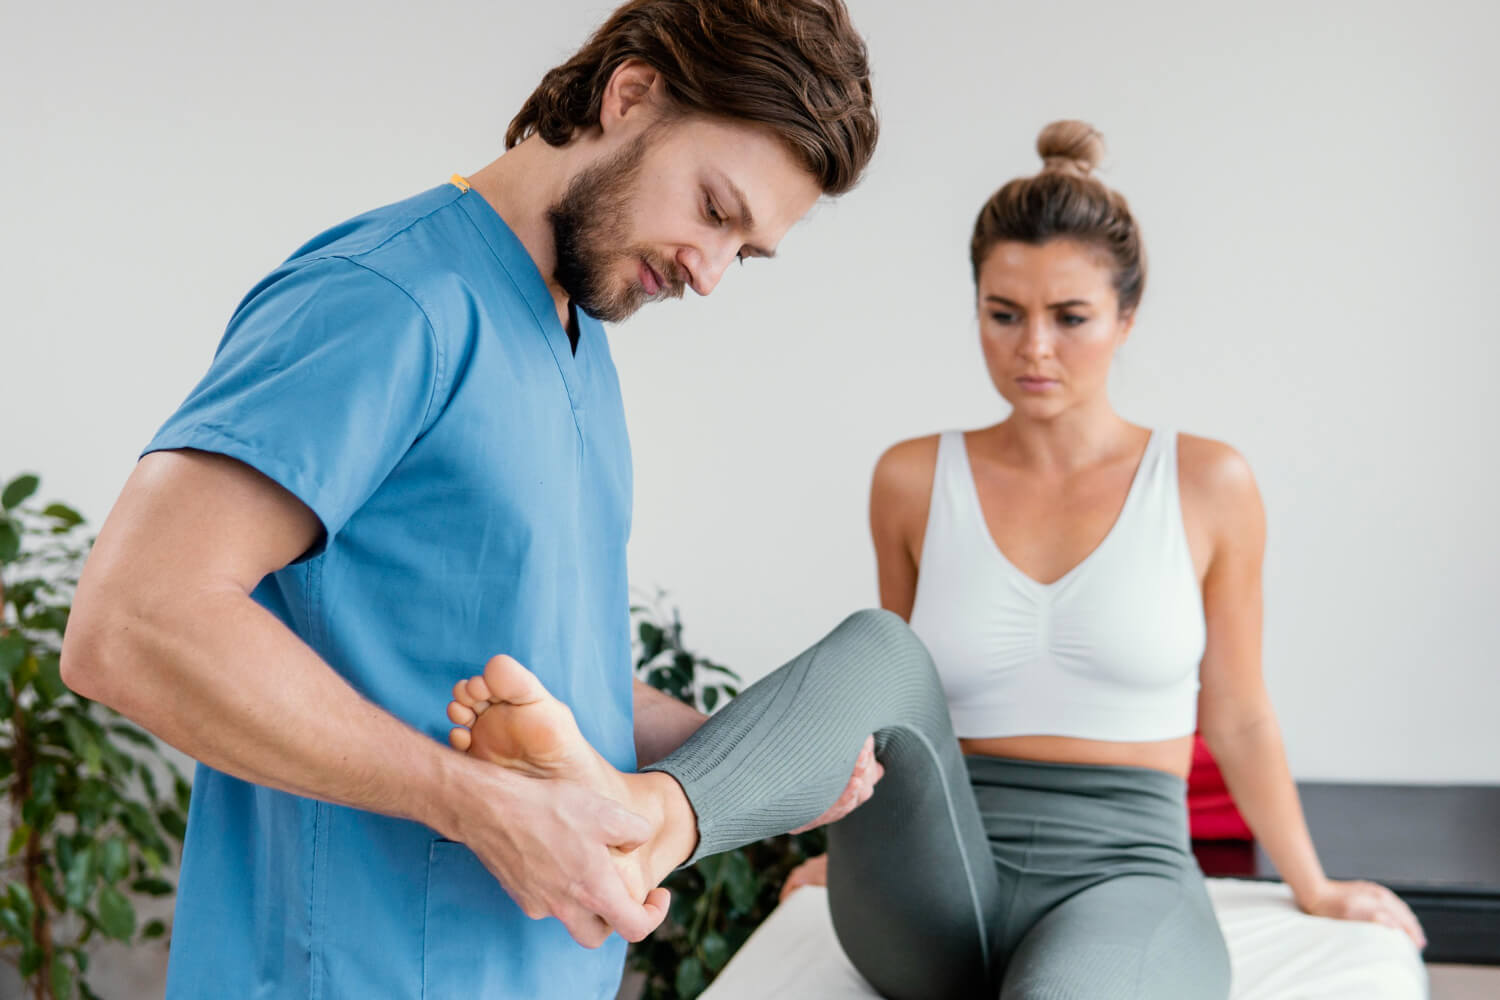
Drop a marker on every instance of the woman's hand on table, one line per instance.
(813, 871)
(1358, 900)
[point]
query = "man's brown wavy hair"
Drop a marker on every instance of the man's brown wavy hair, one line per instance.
(797, 67)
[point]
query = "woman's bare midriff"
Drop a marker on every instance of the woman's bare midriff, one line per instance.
(1174, 756)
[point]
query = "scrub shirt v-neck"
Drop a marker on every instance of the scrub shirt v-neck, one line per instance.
(405, 375)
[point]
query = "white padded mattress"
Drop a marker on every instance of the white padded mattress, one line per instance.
(1277, 952)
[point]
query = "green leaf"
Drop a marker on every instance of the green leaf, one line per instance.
(710, 699)
(148, 886)
(154, 929)
(43, 784)
(12, 925)
(47, 620)
(78, 877)
(148, 781)
(18, 838)
(62, 978)
(12, 654)
(715, 951)
(182, 790)
(20, 901)
(114, 859)
(709, 867)
(116, 915)
(715, 668)
(139, 823)
(31, 958)
(18, 490)
(680, 912)
(49, 682)
(133, 735)
(651, 640)
(64, 515)
(10, 540)
(740, 879)
(173, 823)
(83, 742)
(92, 804)
(690, 980)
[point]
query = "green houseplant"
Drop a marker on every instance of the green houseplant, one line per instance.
(719, 901)
(86, 823)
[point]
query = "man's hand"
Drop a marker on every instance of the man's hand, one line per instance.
(550, 843)
(163, 614)
(867, 771)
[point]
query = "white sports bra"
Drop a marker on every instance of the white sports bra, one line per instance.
(1109, 651)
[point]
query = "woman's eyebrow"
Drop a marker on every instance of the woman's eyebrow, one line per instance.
(1002, 300)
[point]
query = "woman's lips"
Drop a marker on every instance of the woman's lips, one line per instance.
(1034, 383)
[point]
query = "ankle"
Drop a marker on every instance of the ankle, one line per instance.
(678, 837)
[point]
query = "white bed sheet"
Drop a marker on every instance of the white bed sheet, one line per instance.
(1277, 952)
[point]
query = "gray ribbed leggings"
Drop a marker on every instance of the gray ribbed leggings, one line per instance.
(958, 879)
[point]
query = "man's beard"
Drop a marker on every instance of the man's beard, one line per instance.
(589, 234)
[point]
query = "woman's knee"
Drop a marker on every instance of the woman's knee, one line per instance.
(885, 637)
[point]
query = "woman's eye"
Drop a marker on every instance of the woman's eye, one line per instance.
(1003, 317)
(1069, 319)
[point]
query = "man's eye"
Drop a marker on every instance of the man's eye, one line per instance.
(713, 213)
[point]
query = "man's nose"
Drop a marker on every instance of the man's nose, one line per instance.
(705, 269)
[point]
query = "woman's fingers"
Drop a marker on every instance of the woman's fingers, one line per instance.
(813, 871)
(1406, 921)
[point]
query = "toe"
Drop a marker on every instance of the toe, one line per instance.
(459, 739)
(510, 682)
(460, 714)
(478, 691)
(461, 693)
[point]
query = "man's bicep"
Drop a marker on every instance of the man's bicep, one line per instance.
(193, 518)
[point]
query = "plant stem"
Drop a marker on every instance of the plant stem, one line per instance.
(41, 985)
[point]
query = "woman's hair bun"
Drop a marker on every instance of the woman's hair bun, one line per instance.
(1072, 146)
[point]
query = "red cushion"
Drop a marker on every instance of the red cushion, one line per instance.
(1211, 812)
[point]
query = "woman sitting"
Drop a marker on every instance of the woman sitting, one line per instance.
(1089, 592)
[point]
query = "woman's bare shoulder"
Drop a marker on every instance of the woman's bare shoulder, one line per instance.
(1213, 466)
(1216, 477)
(907, 466)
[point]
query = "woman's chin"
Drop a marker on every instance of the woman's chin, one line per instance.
(1036, 406)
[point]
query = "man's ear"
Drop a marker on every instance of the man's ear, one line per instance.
(635, 93)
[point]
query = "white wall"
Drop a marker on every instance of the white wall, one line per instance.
(1316, 181)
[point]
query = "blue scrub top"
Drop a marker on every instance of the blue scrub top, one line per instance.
(406, 377)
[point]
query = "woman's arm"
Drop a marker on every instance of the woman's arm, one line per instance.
(900, 493)
(1234, 710)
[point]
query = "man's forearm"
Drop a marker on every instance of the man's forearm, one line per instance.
(662, 723)
(217, 676)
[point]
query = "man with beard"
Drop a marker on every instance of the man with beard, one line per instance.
(409, 455)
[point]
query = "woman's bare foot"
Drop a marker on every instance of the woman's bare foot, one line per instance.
(506, 716)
